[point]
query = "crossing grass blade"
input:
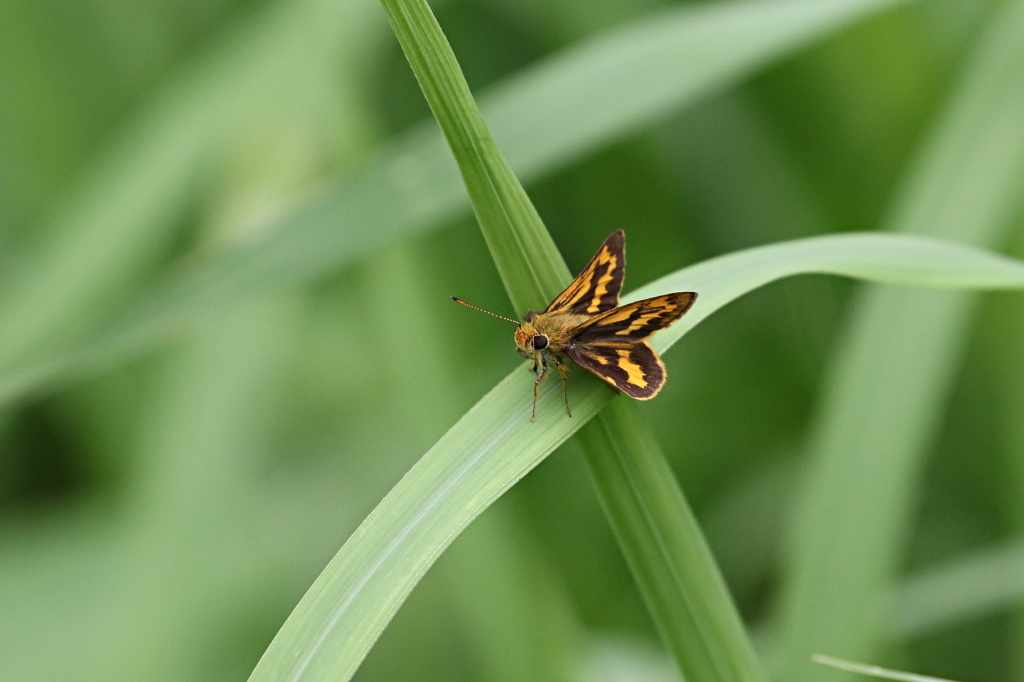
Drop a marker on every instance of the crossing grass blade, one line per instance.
(488, 451)
(495, 444)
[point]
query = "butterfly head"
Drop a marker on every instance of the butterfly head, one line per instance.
(529, 341)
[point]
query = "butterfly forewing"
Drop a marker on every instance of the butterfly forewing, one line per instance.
(635, 321)
(612, 346)
(597, 288)
(635, 369)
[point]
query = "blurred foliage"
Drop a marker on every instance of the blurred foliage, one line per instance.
(163, 510)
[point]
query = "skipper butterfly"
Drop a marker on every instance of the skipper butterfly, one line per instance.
(586, 324)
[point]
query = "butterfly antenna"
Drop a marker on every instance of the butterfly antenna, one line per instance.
(469, 305)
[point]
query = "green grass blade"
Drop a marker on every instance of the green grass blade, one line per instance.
(874, 671)
(522, 249)
(631, 77)
(883, 402)
(495, 444)
(658, 534)
(665, 548)
(544, 118)
(964, 588)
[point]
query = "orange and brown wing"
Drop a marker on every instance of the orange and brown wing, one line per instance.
(635, 369)
(635, 321)
(612, 345)
(597, 288)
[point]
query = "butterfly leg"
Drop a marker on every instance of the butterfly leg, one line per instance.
(562, 372)
(543, 360)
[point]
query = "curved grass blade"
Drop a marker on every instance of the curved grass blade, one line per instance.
(495, 444)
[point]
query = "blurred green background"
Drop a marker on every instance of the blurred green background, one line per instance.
(179, 458)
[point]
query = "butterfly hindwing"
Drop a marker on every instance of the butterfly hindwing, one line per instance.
(635, 321)
(612, 346)
(633, 368)
(597, 288)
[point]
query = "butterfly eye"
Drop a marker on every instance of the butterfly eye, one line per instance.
(540, 342)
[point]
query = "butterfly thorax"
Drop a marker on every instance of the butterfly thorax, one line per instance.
(551, 331)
